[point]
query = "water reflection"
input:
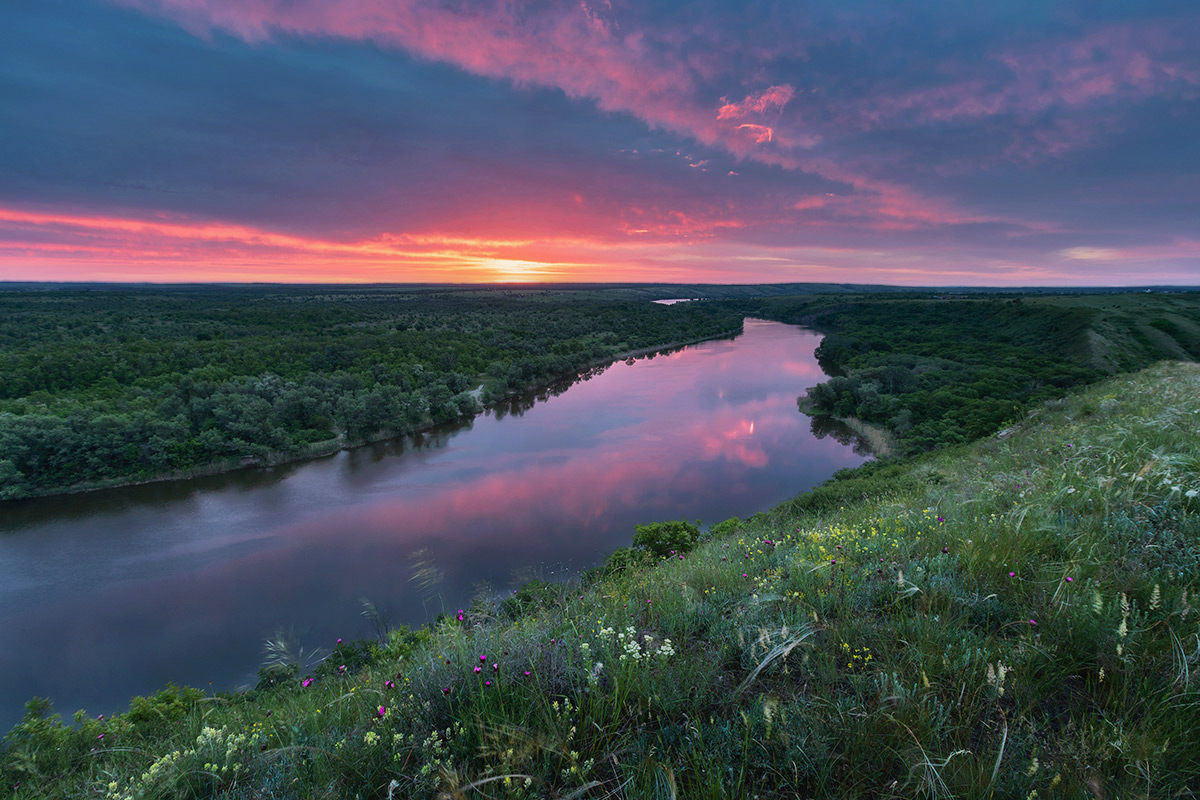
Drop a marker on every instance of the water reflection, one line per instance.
(823, 426)
(114, 593)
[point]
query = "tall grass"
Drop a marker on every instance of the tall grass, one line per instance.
(1016, 619)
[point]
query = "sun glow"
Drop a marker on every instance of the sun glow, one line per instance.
(511, 269)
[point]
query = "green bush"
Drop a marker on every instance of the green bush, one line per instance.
(666, 538)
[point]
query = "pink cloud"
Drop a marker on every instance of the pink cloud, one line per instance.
(1139, 60)
(772, 99)
(760, 133)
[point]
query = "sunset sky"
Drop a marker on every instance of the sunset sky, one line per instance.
(939, 142)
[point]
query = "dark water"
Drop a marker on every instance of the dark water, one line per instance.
(114, 593)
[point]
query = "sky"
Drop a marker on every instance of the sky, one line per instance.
(930, 142)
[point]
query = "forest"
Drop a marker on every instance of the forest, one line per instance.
(939, 371)
(104, 385)
(109, 385)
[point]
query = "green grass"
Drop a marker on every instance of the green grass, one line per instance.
(1013, 618)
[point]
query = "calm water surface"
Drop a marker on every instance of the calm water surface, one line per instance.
(114, 593)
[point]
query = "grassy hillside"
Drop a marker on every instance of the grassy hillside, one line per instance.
(1013, 618)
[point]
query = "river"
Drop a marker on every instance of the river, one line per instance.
(109, 594)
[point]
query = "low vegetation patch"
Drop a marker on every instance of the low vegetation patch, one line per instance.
(1016, 618)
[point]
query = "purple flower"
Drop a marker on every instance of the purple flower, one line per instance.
(1033, 622)
(487, 683)
(1070, 579)
(390, 684)
(482, 659)
(339, 641)
(1012, 574)
(101, 736)
(945, 549)
(306, 682)
(382, 710)
(446, 690)
(526, 673)
(478, 669)
(495, 667)
(342, 668)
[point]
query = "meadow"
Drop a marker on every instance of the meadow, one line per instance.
(1011, 618)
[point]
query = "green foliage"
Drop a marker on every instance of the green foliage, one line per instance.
(622, 559)
(169, 705)
(666, 538)
(348, 657)
(276, 674)
(531, 597)
(727, 528)
(939, 372)
(109, 385)
(1015, 617)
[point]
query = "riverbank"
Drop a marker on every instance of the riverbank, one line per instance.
(881, 441)
(985, 621)
(328, 447)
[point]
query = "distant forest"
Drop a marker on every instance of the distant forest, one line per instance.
(111, 385)
(107, 385)
(938, 371)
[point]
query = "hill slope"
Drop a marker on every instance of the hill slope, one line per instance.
(1014, 618)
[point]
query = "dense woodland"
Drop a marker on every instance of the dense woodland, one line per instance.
(938, 372)
(107, 385)
(110, 385)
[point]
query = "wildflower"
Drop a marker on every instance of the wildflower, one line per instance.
(1070, 579)
(487, 683)
(478, 669)
(339, 641)
(382, 710)
(389, 684)
(744, 575)
(306, 682)
(945, 549)
(1012, 574)
(342, 668)
(495, 667)
(101, 736)
(1033, 622)
(526, 673)
(482, 659)
(461, 616)
(445, 690)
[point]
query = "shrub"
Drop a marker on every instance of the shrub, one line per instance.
(660, 538)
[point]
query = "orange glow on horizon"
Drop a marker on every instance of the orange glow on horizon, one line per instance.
(672, 248)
